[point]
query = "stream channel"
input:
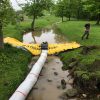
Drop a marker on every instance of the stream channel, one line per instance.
(48, 86)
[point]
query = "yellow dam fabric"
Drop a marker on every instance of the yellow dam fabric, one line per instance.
(35, 49)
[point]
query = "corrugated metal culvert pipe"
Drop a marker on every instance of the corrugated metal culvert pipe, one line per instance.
(25, 87)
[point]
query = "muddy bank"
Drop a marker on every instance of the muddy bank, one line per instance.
(86, 75)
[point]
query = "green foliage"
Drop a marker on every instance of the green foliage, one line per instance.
(35, 9)
(83, 74)
(13, 69)
(11, 31)
(97, 74)
(93, 8)
(69, 8)
(80, 9)
(7, 13)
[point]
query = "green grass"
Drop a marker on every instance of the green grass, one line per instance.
(13, 69)
(46, 21)
(12, 31)
(73, 30)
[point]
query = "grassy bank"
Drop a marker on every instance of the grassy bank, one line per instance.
(88, 63)
(73, 30)
(13, 69)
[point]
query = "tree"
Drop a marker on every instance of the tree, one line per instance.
(73, 8)
(93, 7)
(48, 5)
(60, 9)
(66, 8)
(78, 8)
(6, 15)
(34, 8)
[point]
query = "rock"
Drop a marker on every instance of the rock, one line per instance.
(47, 61)
(71, 92)
(84, 95)
(87, 49)
(63, 96)
(59, 87)
(53, 68)
(64, 68)
(49, 80)
(70, 81)
(98, 96)
(63, 84)
(57, 62)
(55, 73)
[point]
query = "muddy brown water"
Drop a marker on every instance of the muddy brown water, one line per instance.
(49, 35)
(48, 86)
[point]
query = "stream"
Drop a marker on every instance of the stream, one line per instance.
(48, 86)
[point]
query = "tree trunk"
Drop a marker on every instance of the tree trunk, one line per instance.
(33, 23)
(33, 37)
(62, 14)
(70, 9)
(69, 17)
(78, 14)
(98, 19)
(62, 19)
(1, 36)
(66, 18)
